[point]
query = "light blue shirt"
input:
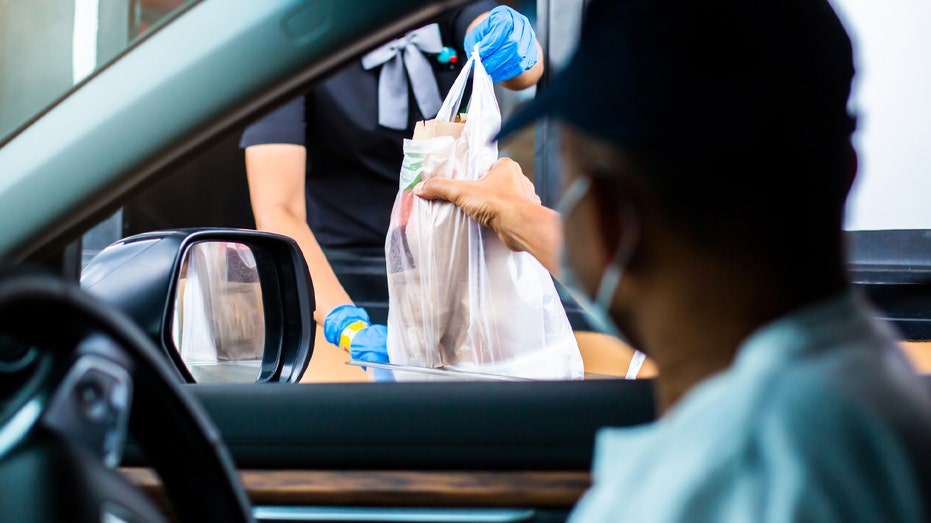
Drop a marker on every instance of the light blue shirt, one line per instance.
(820, 418)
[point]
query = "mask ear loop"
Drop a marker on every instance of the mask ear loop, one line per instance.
(573, 195)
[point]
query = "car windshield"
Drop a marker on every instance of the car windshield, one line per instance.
(49, 46)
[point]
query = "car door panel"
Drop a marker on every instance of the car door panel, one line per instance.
(416, 445)
(423, 426)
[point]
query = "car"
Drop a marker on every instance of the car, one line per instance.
(95, 138)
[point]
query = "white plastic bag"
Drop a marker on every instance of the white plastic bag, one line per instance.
(458, 298)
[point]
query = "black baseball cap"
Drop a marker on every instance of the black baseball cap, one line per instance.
(704, 75)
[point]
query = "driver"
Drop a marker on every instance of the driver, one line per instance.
(706, 174)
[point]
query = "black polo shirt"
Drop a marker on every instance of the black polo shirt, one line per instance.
(352, 162)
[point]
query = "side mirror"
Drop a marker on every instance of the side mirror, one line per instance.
(226, 305)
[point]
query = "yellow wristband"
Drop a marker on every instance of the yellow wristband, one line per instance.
(345, 337)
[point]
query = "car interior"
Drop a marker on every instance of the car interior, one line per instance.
(152, 127)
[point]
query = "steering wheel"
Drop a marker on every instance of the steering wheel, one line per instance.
(74, 376)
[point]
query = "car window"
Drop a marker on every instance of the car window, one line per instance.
(170, 204)
(890, 100)
(49, 46)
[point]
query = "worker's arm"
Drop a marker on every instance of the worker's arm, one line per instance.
(276, 188)
(530, 76)
(508, 47)
(504, 200)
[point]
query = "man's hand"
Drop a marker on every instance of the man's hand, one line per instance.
(504, 201)
(488, 200)
(508, 47)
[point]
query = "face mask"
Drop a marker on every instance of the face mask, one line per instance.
(598, 310)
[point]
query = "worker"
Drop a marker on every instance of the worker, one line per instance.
(323, 169)
(708, 159)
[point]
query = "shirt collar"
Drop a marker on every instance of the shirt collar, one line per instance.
(773, 346)
(818, 326)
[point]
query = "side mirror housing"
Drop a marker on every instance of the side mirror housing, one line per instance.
(226, 305)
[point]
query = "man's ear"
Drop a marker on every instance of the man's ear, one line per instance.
(615, 226)
(608, 225)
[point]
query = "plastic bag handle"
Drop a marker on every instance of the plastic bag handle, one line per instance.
(447, 112)
(483, 102)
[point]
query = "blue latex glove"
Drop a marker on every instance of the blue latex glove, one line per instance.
(370, 345)
(347, 326)
(507, 43)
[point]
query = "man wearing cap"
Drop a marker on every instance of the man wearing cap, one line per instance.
(706, 172)
(323, 169)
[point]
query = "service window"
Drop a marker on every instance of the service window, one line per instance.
(890, 98)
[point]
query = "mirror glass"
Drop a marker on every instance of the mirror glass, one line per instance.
(218, 323)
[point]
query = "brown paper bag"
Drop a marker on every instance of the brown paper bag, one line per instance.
(428, 129)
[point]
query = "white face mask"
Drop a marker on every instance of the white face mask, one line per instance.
(598, 310)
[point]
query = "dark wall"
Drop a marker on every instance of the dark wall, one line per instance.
(208, 191)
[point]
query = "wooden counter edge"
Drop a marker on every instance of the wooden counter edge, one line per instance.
(545, 489)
